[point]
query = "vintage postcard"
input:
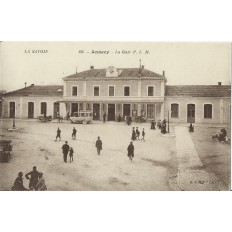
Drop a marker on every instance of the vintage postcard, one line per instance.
(124, 116)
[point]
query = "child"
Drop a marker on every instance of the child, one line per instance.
(71, 151)
(143, 134)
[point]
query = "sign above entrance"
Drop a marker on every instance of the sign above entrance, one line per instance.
(112, 72)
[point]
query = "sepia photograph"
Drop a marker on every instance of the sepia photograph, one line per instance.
(115, 116)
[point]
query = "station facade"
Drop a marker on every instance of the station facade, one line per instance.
(122, 91)
(116, 92)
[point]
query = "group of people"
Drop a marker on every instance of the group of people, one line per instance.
(58, 134)
(128, 120)
(36, 181)
(136, 133)
(160, 124)
(66, 149)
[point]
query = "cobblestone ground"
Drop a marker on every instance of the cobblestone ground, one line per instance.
(191, 174)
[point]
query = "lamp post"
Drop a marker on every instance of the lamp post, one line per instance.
(13, 127)
(169, 111)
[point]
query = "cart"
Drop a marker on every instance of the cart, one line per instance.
(43, 118)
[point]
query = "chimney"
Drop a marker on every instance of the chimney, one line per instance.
(91, 67)
(25, 83)
(142, 66)
(163, 73)
(219, 83)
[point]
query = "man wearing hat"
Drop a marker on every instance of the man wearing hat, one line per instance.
(34, 177)
(130, 150)
(98, 145)
(65, 149)
(18, 184)
(133, 136)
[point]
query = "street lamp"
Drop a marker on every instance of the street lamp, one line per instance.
(169, 111)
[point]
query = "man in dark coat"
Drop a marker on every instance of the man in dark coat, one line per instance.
(191, 128)
(58, 134)
(34, 177)
(74, 133)
(133, 136)
(104, 117)
(143, 134)
(65, 149)
(18, 184)
(130, 151)
(98, 145)
(137, 133)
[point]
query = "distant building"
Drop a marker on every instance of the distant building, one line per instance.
(32, 101)
(122, 91)
(198, 103)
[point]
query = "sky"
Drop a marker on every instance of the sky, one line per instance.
(184, 63)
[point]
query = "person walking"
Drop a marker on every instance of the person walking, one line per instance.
(58, 116)
(143, 134)
(58, 134)
(130, 151)
(68, 116)
(133, 136)
(18, 184)
(65, 149)
(125, 119)
(98, 145)
(71, 151)
(33, 176)
(137, 133)
(104, 117)
(74, 133)
(41, 186)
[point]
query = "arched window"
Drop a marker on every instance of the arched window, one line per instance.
(207, 111)
(174, 110)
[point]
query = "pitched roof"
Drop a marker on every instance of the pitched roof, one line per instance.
(198, 90)
(38, 90)
(125, 72)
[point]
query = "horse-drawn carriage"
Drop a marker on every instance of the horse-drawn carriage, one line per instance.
(44, 118)
(5, 150)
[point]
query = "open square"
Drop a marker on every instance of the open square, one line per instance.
(154, 167)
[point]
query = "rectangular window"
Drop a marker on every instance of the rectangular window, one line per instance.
(43, 108)
(207, 111)
(150, 91)
(74, 90)
(126, 90)
(96, 91)
(174, 110)
(111, 91)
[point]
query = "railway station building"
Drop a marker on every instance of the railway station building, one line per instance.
(122, 91)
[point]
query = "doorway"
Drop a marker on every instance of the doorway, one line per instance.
(126, 110)
(12, 109)
(30, 109)
(96, 111)
(74, 108)
(150, 111)
(111, 112)
(191, 113)
(56, 109)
